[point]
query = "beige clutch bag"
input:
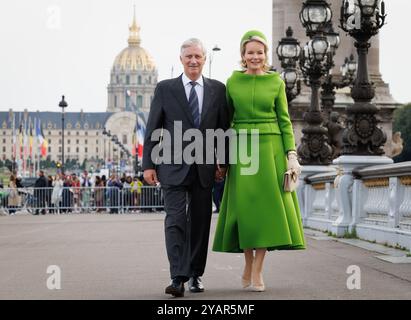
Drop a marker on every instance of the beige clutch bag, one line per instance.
(290, 182)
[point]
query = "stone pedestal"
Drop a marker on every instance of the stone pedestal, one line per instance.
(344, 187)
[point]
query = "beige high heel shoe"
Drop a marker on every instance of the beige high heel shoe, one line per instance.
(246, 282)
(257, 286)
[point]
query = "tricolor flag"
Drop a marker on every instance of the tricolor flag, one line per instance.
(14, 146)
(31, 141)
(21, 139)
(134, 144)
(25, 139)
(40, 136)
(44, 145)
(141, 132)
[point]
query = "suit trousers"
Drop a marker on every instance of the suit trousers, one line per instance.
(188, 209)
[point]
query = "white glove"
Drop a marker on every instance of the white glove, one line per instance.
(293, 164)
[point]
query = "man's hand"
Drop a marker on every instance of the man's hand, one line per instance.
(220, 173)
(150, 176)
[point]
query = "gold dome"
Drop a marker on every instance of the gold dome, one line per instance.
(134, 57)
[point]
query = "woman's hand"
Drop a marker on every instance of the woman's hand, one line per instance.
(293, 163)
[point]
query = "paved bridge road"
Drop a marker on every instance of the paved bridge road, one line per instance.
(104, 256)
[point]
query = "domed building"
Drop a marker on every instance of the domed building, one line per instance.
(133, 76)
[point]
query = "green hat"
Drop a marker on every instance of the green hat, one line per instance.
(253, 35)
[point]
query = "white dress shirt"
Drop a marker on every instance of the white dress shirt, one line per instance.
(199, 88)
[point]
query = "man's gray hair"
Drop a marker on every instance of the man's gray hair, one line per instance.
(193, 42)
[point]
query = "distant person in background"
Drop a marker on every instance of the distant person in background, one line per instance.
(40, 193)
(14, 200)
(86, 184)
(75, 186)
(57, 194)
(99, 194)
(49, 192)
(67, 202)
(115, 187)
(136, 191)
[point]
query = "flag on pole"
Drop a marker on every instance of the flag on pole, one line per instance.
(14, 146)
(141, 132)
(134, 144)
(44, 145)
(26, 139)
(40, 137)
(21, 139)
(31, 140)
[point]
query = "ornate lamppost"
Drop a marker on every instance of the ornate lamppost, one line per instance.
(63, 104)
(329, 85)
(288, 52)
(314, 148)
(115, 141)
(105, 132)
(362, 136)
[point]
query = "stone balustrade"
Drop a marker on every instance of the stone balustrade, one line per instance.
(375, 206)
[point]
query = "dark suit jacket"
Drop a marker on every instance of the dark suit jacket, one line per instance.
(170, 105)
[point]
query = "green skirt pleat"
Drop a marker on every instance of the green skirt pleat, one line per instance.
(255, 211)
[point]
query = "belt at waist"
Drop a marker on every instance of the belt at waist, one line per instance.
(261, 120)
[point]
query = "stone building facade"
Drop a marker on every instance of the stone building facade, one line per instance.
(133, 79)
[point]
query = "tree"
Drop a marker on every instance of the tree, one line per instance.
(402, 123)
(9, 165)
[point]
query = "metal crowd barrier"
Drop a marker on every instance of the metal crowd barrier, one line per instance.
(81, 200)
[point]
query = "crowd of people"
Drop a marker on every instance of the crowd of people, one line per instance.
(65, 193)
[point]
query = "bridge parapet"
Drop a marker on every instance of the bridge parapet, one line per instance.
(374, 203)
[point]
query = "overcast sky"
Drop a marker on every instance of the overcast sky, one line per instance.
(54, 47)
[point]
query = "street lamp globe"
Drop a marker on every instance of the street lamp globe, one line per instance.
(333, 39)
(368, 7)
(315, 15)
(62, 104)
(288, 49)
(317, 48)
(290, 77)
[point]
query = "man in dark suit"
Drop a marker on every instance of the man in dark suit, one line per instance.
(188, 102)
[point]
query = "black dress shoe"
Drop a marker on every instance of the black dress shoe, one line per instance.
(195, 284)
(176, 288)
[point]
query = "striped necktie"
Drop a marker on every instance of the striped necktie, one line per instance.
(194, 105)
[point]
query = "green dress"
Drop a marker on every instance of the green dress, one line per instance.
(255, 211)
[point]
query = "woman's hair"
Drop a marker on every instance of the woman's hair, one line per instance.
(192, 42)
(13, 178)
(243, 63)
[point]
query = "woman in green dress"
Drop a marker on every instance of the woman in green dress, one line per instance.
(256, 215)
